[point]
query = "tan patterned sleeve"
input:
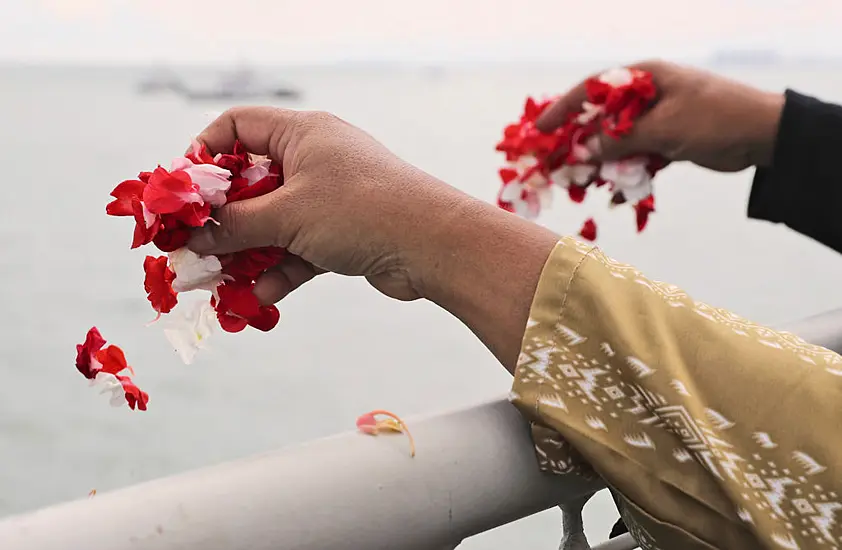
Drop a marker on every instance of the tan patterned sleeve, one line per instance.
(717, 432)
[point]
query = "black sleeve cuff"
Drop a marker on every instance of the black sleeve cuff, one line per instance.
(803, 186)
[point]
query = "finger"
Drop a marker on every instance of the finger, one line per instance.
(556, 114)
(267, 220)
(649, 134)
(259, 129)
(278, 282)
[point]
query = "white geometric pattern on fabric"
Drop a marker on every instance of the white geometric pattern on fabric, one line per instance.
(782, 491)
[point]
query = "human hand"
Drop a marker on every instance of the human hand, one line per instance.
(350, 206)
(698, 117)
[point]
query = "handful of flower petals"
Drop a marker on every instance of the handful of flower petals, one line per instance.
(166, 205)
(564, 158)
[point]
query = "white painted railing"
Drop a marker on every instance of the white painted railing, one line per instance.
(475, 470)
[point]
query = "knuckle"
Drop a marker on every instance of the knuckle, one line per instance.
(318, 119)
(325, 117)
(232, 113)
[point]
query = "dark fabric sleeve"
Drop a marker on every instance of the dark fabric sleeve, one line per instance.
(803, 187)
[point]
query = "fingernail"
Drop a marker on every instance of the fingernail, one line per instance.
(202, 240)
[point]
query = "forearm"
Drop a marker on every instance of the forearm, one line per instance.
(802, 186)
(483, 266)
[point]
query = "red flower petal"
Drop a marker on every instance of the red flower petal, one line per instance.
(238, 307)
(238, 183)
(576, 192)
(588, 230)
(247, 265)
(507, 206)
(134, 396)
(267, 319)
(124, 194)
(597, 91)
(158, 284)
(642, 211)
(113, 360)
(168, 192)
(231, 323)
(508, 175)
(202, 156)
(262, 187)
(236, 161)
(142, 233)
(193, 214)
(84, 351)
(172, 236)
(237, 298)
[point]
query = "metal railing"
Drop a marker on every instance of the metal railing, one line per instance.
(475, 470)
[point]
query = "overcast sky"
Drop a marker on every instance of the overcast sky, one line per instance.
(303, 31)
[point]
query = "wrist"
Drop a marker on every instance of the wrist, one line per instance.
(482, 265)
(767, 120)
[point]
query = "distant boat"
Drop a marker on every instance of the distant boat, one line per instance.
(163, 80)
(239, 84)
(747, 57)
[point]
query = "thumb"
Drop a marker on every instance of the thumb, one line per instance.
(251, 223)
(646, 136)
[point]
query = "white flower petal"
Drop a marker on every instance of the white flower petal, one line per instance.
(589, 112)
(561, 177)
(511, 192)
(109, 383)
(258, 170)
(524, 163)
(619, 76)
(638, 192)
(545, 197)
(582, 173)
(180, 163)
(193, 271)
(189, 328)
(579, 174)
(536, 180)
(212, 181)
(625, 173)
